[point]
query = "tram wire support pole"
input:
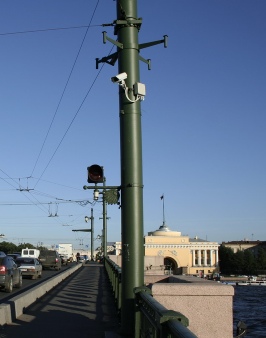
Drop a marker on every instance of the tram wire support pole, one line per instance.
(92, 232)
(131, 92)
(131, 167)
(104, 223)
(110, 195)
(104, 218)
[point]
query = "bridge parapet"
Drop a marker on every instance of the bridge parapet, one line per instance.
(207, 304)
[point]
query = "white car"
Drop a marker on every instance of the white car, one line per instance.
(29, 267)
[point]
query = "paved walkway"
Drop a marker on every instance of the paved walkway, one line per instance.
(82, 306)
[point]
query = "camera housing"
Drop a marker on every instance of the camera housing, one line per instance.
(138, 90)
(96, 195)
(119, 78)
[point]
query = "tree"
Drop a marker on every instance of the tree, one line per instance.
(250, 266)
(24, 246)
(226, 260)
(239, 262)
(261, 261)
(8, 247)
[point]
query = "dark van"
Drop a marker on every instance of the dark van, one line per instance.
(50, 259)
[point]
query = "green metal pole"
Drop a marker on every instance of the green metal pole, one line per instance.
(104, 224)
(131, 167)
(92, 234)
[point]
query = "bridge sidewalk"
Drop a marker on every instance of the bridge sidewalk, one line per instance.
(81, 306)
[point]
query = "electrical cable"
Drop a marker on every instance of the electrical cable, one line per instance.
(62, 185)
(22, 191)
(78, 110)
(39, 193)
(47, 30)
(38, 202)
(126, 93)
(6, 180)
(65, 87)
(81, 203)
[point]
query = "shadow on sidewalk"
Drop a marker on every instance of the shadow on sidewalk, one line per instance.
(82, 306)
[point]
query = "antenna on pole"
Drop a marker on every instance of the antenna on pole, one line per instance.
(162, 198)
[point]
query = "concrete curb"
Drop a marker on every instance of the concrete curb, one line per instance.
(5, 314)
(15, 306)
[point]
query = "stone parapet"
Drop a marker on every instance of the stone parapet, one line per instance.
(207, 304)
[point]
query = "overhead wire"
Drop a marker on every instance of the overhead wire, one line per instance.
(64, 135)
(62, 185)
(47, 30)
(62, 95)
(38, 204)
(43, 203)
(47, 211)
(22, 191)
(60, 100)
(81, 202)
(9, 178)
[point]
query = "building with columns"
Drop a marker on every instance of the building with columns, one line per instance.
(181, 254)
(169, 252)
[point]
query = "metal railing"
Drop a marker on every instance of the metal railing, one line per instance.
(155, 320)
(115, 276)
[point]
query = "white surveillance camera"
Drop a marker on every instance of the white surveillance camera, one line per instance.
(119, 78)
(96, 195)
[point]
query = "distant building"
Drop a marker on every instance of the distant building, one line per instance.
(245, 244)
(169, 252)
(113, 248)
(117, 248)
(181, 254)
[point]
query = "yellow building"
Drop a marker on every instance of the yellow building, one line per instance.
(181, 254)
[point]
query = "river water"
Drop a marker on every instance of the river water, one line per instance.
(250, 307)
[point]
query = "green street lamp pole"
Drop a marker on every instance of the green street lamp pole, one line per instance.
(131, 92)
(104, 223)
(131, 165)
(91, 230)
(92, 234)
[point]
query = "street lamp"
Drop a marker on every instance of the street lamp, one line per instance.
(100, 249)
(89, 230)
(92, 231)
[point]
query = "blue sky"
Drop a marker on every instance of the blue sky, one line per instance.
(203, 118)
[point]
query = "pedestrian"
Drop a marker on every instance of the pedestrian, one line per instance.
(77, 256)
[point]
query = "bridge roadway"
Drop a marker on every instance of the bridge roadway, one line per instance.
(81, 306)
